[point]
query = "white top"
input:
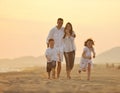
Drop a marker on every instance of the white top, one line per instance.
(88, 52)
(57, 35)
(69, 44)
(52, 54)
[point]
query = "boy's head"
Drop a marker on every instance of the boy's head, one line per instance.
(51, 43)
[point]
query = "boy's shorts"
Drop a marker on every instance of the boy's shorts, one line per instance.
(50, 65)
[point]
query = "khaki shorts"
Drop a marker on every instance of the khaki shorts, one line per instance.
(50, 65)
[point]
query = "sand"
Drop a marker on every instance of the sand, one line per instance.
(103, 80)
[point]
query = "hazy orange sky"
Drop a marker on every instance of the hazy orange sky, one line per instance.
(24, 24)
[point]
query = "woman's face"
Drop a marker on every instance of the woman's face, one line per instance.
(68, 27)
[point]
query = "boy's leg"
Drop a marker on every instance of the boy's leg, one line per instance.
(48, 69)
(89, 71)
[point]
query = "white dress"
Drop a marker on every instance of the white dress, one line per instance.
(84, 62)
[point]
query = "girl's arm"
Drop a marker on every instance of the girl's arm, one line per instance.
(93, 52)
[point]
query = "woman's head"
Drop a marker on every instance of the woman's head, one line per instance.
(69, 28)
(89, 43)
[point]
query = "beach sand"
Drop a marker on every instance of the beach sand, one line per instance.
(34, 80)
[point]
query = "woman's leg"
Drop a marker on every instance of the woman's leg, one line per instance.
(72, 58)
(67, 60)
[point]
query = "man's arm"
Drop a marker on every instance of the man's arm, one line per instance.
(50, 35)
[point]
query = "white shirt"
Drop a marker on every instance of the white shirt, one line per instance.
(57, 35)
(69, 44)
(52, 54)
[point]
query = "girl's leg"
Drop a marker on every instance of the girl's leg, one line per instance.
(89, 71)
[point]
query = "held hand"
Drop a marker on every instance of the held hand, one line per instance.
(48, 59)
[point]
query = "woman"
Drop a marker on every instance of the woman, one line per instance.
(69, 48)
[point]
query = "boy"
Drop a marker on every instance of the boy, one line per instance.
(51, 56)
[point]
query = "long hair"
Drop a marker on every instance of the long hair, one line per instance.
(71, 30)
(85, 44)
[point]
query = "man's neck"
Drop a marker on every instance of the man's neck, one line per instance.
(58, 27)
(51, 47)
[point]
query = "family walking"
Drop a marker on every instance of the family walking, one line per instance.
(60, 41)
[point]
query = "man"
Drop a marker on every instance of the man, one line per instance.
(57, 33)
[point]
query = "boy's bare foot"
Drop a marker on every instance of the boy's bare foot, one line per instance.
(79, 71)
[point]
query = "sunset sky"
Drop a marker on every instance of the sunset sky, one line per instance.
(25, 24)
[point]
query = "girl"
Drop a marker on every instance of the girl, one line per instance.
(86, 61)
(69, 48)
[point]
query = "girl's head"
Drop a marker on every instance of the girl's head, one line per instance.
(51, 43)
(68, 29)
(89, 43)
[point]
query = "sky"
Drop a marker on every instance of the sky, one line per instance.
(25, 24)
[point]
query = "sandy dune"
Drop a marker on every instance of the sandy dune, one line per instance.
(103, 80)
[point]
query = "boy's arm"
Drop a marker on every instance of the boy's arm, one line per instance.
(48, 58)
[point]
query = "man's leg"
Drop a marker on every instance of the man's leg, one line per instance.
(58, 69)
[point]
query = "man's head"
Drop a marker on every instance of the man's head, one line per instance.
(59, 22)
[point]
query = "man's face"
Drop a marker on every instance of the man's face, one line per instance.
(60, 23)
